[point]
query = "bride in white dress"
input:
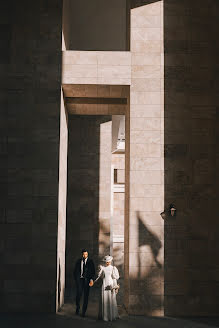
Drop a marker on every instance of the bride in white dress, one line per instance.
(108, 306)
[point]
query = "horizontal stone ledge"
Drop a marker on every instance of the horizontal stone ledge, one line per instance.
(96, 100)
(96, 109)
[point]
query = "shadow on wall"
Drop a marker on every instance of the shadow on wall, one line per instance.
(97, 25)
(140, 3)
(191, 154)
(147, 285)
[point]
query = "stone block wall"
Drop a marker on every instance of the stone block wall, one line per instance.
(191, 157)
(146, 234)
(96, 67)
(30, 108)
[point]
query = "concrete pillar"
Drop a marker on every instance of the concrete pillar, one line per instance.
(146, 251)
(63, 151)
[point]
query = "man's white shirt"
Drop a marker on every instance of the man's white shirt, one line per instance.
(82, 266)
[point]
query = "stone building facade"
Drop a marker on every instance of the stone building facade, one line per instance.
(65, 81)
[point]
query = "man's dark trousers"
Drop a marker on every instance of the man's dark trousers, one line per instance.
(82, 287)
(82, 284)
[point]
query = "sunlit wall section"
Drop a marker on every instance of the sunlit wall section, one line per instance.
(62, 205)
(146, 250)
(104, 188)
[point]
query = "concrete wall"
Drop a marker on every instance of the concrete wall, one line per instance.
(95, 25)
(31, 35)
(88, 199)
(191, 157)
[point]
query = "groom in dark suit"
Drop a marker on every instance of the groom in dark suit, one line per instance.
(84, 273)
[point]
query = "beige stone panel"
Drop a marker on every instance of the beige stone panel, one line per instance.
(120, 176)
(120, 72)
(146, 72)
(150, 9)
(111, 58)
(115, 80)
(142, 84)
(141, 59)
(79, 71)
(145, 190)
(145, 34)
(146, 204)
(146, 137)
(162, 124)
(145, 98)
(145, 150)
(147, 47)
(162, 85)
(120, 196)
(79, 57)
(153, 111)
(144, 164)
(145, 21)
(118, 160)
(144, 124)
(104, 203)
(118, 229)
(146, 177)
(149, 218)
(80, 80)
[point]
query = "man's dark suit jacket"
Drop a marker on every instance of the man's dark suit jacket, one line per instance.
(89, 270)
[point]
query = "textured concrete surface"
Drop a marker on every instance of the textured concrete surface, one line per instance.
(191, 157)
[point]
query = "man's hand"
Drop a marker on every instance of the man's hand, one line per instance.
(91, 283)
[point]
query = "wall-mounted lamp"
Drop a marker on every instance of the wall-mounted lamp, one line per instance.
(171, 211)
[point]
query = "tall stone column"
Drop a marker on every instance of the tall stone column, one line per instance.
(63, 152)
(146, 201)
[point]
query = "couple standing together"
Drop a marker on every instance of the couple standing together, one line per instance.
(84, 274)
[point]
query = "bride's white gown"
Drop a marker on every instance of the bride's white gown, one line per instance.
(108, 306)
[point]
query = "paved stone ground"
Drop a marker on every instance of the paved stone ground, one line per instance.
(62, 321)
(67, 319)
